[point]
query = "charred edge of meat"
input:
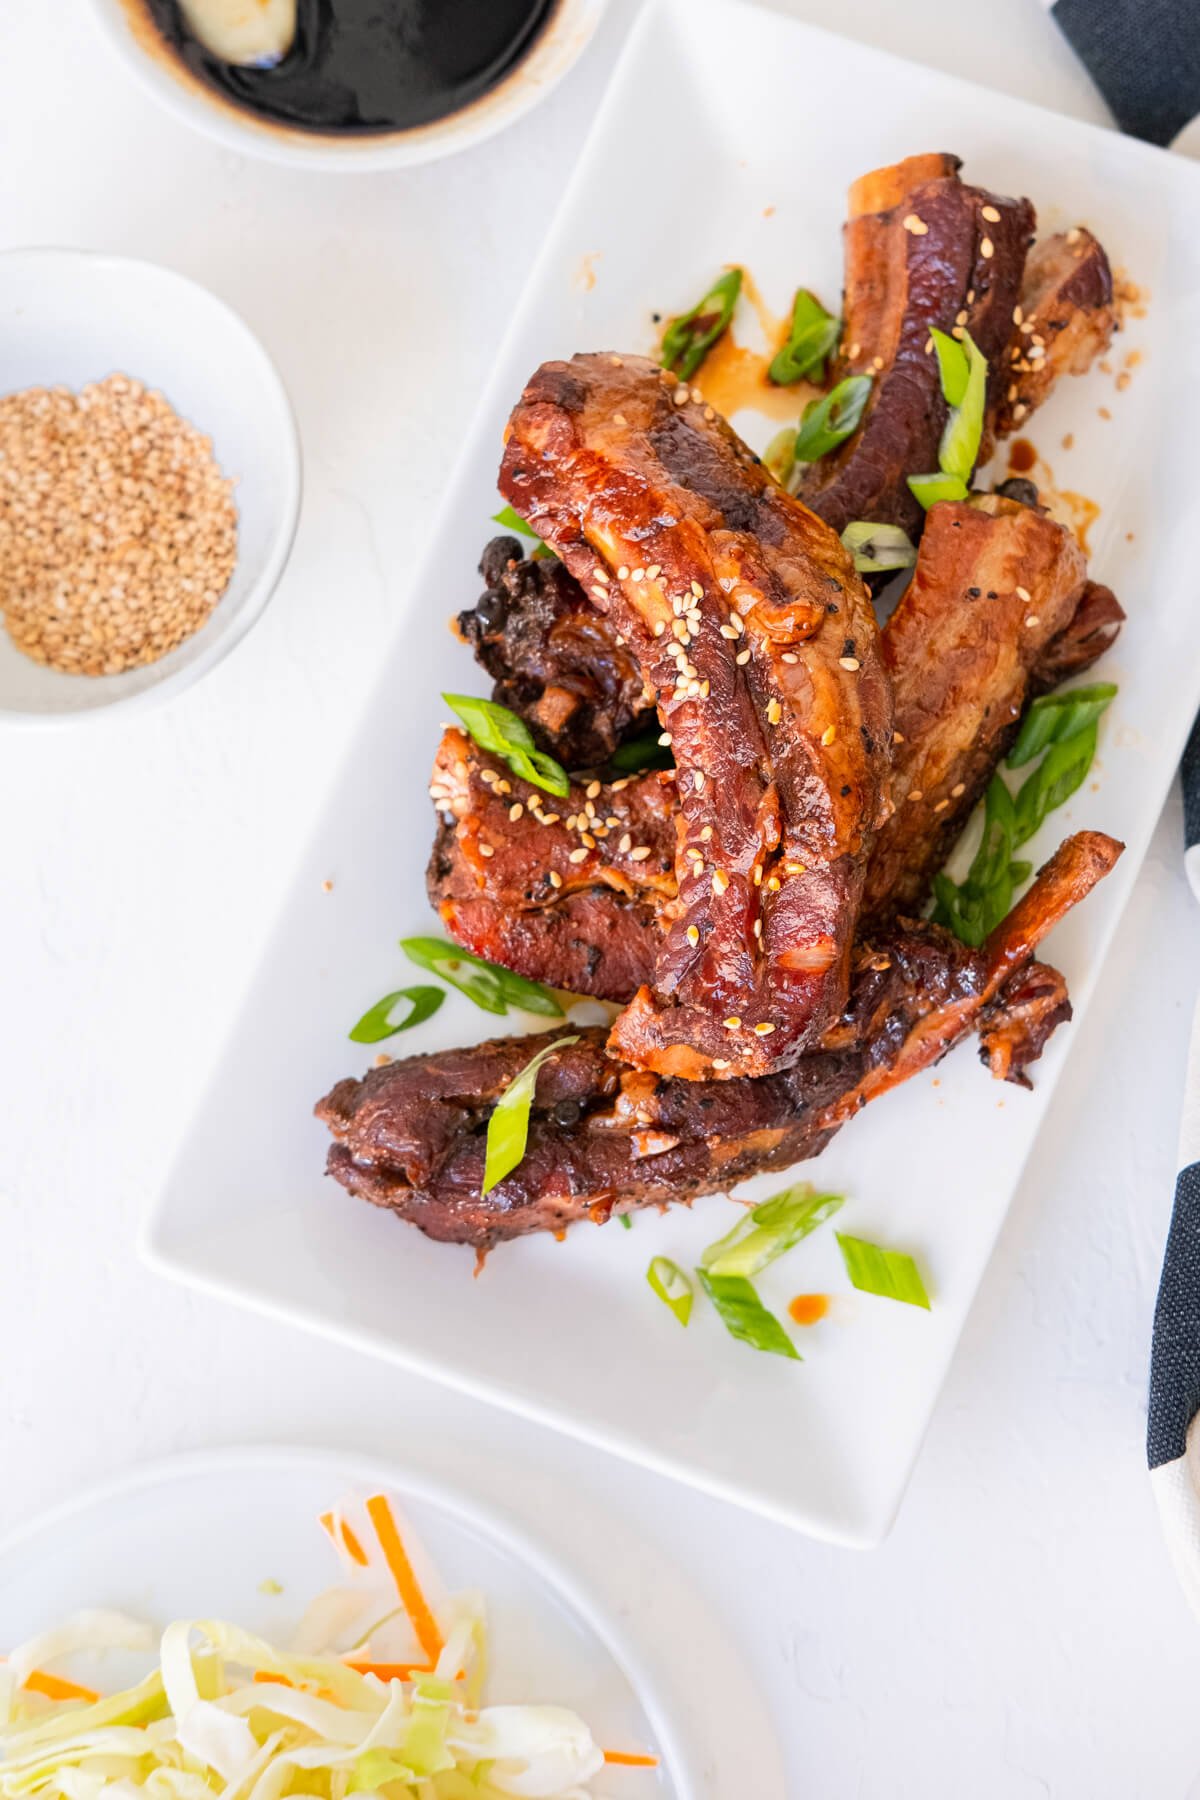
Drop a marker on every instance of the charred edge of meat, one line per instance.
(1067, 319)
(551, 659)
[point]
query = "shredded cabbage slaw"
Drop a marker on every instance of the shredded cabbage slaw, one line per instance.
(379, 1695)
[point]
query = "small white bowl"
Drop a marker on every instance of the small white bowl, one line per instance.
(68, 317)
(133, 35)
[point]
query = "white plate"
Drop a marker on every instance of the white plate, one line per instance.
(717, 114)
(200, 1535)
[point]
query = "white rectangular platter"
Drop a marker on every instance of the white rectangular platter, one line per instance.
(729, 134)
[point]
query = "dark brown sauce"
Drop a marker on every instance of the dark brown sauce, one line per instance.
(359, 67)
(1021, 456)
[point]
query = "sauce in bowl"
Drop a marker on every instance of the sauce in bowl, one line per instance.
(362, 67)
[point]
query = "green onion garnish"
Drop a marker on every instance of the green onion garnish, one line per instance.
(492, 989)
(500, 731)
(644, 752)
(672, 1286)
(689, 338)
(376, 1024)
(828, 422)
(626, 1220)
(767, 1230)
(744, 1316)
(780, 454)
(890, 1273)
(1058, 716)
(508, 1127)
(811, 338)
(929, 489)
(959, 448)
(511, 520)
(1062, 770)
(878, 547)
(953, 366)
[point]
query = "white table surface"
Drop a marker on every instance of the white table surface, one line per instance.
(1021, 1632)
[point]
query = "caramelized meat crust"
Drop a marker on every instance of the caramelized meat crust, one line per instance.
(552, 658)
(606, 1137)
(569, 892)
(995, 589)
(1065, 320)
(758, 640)
(922, 249)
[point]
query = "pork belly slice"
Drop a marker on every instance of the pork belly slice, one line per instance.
(758, 640)
(565, 891)
(922, 249)
(605, 1137)
(553, 659)
(1065, 319)
(999, 607)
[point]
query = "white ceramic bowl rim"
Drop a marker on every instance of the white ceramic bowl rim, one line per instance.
(255, 601)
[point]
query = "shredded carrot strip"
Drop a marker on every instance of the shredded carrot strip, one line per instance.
(265, 1675)
(391, 1671)
(629, 1760)
(407, 1585)
(342, 1533)
(53, 1687)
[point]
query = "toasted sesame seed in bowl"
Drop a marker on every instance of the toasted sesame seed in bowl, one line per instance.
(149, 483)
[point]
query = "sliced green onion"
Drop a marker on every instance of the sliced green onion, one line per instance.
(994, 854)
(376, 1024)
(500, 731)
(689, 338)
(780, 454)
(672, 1286)
(644, 752)
(878, 547)
(958, 910)
(1062, 770)
(492, 989)
(828, 422)
(767, 1230)
(1056, 717)
(953, 366)
(626, 1220)
(811, 338)
(890, 1273)
(959, 448)
(929, 489)
(744, 1316)
(508, 1127)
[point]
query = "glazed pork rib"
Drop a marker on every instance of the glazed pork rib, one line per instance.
(996, 590)
(922, 249)
(1064, 320)
(569, 892)
(759, 643)
(606, 1137)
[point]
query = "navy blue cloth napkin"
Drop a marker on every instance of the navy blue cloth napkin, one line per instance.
(1144, 56)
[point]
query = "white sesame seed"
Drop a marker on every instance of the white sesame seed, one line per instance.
(1073, 235)
(829, 734)
(733, 1023)
(941, 806)
(680, 395)
(758, 874)
(515, 811)
(693, 934)
(958, 790)
(742, 658)
(659, 627)
(705, 833)
(1032, 620)
(640, 854)
(991, 215)
(555, 878)
(928, 346)
(719, 1062)
(654, 571)
(727, 631)
(773, 884)
(623, 572)
(720, 881)
(601, 575)
(916, 794)
(577, 856)
(1022, 593)
(986, 248)
(585, 837)
(916, 226)
(638, 575)
(486, 850)
(849, 662)
(665, 739)
(625, 845)
(764, 1030)
(592, 789)
(1018, 315)
(698, 780)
